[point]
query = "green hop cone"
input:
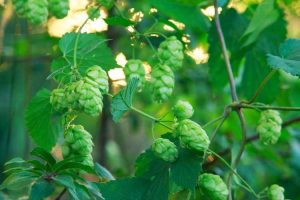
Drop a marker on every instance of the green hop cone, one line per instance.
(170, 52)
(93, 13)
(135, 68)
(59, 8)
(58, 100)
(192, 136)
(106, 3)
(165, 149)
(269, 127)
(213, 187)
(89, 99)
(162, 83)
(20, 7)
(71, 95)
(37, 11)
(97, 77)
(183, 110)
(78, 143)
(275, 192)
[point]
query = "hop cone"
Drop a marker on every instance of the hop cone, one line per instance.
(59, 8)
(192, 136)
(97, 77)
(71, 94)
(269, 127)
(183, 110)
(20, 6)
(89, 98)
(135, 68)
(37, 11)
(78, 143)
(275, 192)
(165, 149)
(162, 83)
(58, 99)
(170, 52)
(213, 187)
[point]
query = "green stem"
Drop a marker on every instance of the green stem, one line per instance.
(261, 86)
(234, 172)
(151, 117)
(266, 107)
(213, 121)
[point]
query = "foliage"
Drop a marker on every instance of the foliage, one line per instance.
(245, 55)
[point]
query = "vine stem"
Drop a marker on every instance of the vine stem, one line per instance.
(151, 117)
(265, 107)
(234, 96)
(261, 86)
(234, 172)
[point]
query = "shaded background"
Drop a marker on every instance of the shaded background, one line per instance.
(26, 54)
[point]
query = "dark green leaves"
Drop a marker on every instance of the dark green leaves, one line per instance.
(40, 122)
(103, 172)
(91, 50)
(122, 102)
(118, 21)
(182, 12)
(288, 59)
(40, 190)
(264, 16)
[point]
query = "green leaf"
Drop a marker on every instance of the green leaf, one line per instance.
(91, 50)
(125, 189)
(118, 21)
(103, 172)
(73, 165)
(68, 182)
(187, 14)
(41, 189)
(19, 180)
(256, 66)
(82, 192)
(288, 59)
(44, 155)
(186, 169)
(40, 122)
(122, 102)
(266, 11)
(159, 187)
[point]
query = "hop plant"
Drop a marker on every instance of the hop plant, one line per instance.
(59, 8)
(275, 192)
(37, 11)
(183, 110)
(162, 83)
(106, 3)
(71, 94)
(20, 6)
(170, 52)
(269, 127)
(135, 68)
(165, 149)
(89, 98)
(58, 100)
(97, 77)
(213, 187)
(93, 13)
(78, 143)
(192, 136)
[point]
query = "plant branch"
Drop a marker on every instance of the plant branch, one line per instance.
(261, 86)
(264, 107)
(225, 54)
(61, 194)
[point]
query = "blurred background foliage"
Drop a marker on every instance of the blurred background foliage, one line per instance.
(26, 52)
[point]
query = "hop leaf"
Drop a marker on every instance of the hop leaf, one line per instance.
(170, 52)
(162, 83)
(135, 68)
(59, 8)
(106, 3)
(58, 100)
(276, 192)
(213, 187)
(93, 13)
(97, 77)
(165, 149)
(37, 11)
(192, 136)
(269, 127)
(183, 110)
(78, 142)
